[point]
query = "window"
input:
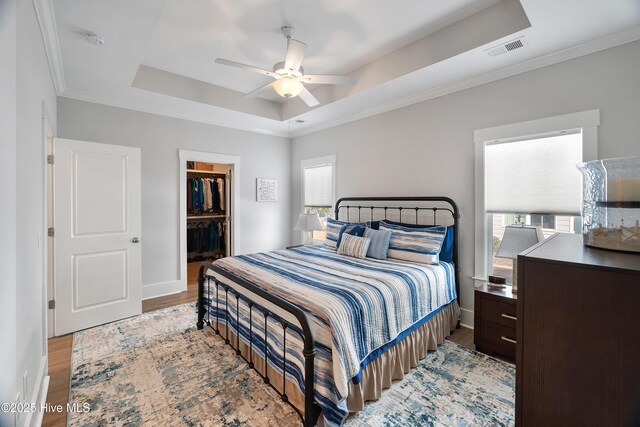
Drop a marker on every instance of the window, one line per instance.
(550, 224)
(526, 174)
(318, 185)
(543, 221)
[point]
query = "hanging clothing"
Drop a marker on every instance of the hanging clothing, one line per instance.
(220, 185)
(189, 200)
(200, 194)
(207, 195)
(206, 238)
(195, 194)
(216, 195)
(215, 199)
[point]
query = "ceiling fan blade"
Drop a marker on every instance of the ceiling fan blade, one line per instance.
(308, 98)
(259, 91)
(247, 67)
(325, 79)
(295, 55)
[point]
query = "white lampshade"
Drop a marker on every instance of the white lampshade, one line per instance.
(287, 87)
(308, 222)
(516, 239)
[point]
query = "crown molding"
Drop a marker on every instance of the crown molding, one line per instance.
(612, 40)
(47, 21)
(147, 107)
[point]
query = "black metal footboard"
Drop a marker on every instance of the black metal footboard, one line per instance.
(311, 409)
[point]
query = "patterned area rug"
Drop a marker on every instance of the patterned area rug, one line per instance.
(150, 370)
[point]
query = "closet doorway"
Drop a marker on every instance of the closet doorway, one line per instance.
(208, 214)
(208, 210)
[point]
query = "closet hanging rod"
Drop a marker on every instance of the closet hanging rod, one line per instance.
(196, 217)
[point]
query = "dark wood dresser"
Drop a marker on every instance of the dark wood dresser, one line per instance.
(495, 321)
(578, 334)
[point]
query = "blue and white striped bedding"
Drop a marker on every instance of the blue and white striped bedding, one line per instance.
(356, 307)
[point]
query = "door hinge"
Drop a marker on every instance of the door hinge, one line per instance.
(52, 304)
(50, 159)
(51, 232)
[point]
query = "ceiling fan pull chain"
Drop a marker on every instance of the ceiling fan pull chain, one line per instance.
(289, 105)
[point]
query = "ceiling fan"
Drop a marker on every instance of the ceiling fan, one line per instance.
(289, 75)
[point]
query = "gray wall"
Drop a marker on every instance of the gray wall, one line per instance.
(7, 208)
(264, 226)
(22, 217)
(427, 148)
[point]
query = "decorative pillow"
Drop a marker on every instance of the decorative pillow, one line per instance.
(353, 229)
(333, 231)
(446, 253)
(373, 224)
(354, 246)
(379, 243)
(415, 244)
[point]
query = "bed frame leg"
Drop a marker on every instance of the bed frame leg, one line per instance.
(201, 308)
(310, 409)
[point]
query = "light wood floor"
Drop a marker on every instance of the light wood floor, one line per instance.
(60, 348)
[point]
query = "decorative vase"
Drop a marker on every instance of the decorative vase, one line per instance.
(611, 204)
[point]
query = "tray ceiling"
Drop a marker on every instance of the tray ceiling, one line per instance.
(159, 55)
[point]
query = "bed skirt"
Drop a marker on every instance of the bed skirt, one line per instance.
(380, 373)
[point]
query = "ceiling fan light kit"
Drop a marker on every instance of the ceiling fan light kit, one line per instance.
(287, 87)
(289, 75)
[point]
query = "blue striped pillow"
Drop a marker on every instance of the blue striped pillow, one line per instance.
(353, 229)
(354, 246)
(333, 231)
(379, 243)
(415, 244)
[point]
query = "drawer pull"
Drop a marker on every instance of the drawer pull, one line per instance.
(506, 316)
(508, 339)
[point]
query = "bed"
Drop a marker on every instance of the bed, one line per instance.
(330, 332)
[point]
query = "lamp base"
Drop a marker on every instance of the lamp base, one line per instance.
(514, 284)
(307, 238)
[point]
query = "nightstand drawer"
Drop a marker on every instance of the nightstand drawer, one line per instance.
(498, 312)
(502, 339)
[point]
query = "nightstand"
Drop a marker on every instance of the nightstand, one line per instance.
(495, 321)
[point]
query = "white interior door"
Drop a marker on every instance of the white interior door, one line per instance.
(97, 249)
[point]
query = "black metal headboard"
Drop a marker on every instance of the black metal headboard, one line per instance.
(424, 210)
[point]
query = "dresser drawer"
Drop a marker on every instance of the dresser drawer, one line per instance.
(498, 312)
(500, 338)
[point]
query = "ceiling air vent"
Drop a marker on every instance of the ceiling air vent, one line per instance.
(507, 47)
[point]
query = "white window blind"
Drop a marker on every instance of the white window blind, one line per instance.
(318, 186)
(534, 175)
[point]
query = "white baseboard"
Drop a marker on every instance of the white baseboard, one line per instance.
(467, 318)
(38, 396)
(155, 290)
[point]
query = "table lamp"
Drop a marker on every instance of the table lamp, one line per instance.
(308, 222)
(516, 239)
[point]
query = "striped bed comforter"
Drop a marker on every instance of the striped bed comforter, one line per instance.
(357, 308)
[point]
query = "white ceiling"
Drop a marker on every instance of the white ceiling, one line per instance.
(340, 35)
(402, 51)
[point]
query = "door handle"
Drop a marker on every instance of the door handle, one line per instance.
(135, 240)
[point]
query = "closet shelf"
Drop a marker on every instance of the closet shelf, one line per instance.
(196, 171)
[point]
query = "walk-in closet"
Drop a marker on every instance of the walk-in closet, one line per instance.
(209, 214)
